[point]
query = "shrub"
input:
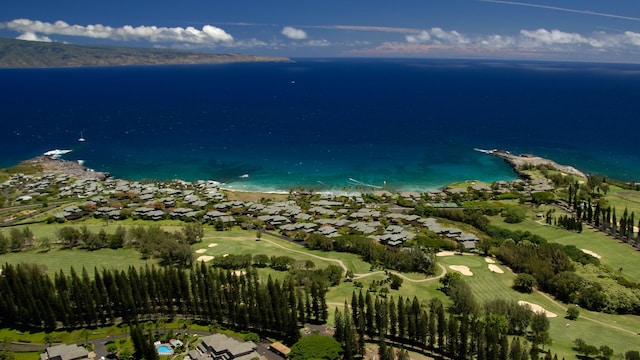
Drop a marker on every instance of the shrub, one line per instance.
(524, 283)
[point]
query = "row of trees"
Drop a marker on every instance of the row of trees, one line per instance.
(31, 299)
(459, 335)
(17, 239)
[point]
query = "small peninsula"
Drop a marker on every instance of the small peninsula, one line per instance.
(30, 54)
(518, 161)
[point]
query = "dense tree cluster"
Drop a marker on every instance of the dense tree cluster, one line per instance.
(413, 259)
(553, 268)
(31, 299)
(468, 334)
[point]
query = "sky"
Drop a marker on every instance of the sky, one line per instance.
(567, 30)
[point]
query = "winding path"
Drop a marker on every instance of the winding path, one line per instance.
(339, 262)
(360, 276)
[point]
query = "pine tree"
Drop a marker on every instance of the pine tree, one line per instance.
(515, 350)
(393, 318)
(338, 324)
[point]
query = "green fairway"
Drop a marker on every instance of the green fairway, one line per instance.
(58, 258)
(621, 199)
(617, 331)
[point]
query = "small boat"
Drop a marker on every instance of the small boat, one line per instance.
(244, 176)
(81, 139)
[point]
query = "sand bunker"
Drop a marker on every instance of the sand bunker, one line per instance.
(201, 251)
(205, 258)
(446, 253)
(239, 272)
(489, 260)
(537, 308)
(494, 268)
(213, 245)
(595, 255)
(462, 269)
(225, 255)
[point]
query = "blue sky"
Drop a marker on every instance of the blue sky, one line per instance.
(579, 30)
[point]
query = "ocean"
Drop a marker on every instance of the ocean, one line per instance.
(326, 124)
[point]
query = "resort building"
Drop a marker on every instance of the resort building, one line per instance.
(222, 347)
(65, 352)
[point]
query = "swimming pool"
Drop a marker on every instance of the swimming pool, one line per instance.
(164, 350)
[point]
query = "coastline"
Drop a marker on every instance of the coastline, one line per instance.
(77, 169)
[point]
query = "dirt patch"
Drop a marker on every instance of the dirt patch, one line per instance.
(462, 269)
(205, 258)
(595, 255)
(446, 253)
(489, 260)
(201, 251)
(537, 308)
(213, 245)
(494, 268)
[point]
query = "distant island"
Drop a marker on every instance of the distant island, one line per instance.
(30, 54)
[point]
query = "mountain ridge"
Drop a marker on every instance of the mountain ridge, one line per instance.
(31, 54)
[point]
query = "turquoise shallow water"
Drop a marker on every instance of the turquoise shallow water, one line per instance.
(326, 124)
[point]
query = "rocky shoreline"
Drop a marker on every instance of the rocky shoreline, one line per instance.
(60, 167)
(517, 161)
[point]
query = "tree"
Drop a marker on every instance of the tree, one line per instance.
(514, 214)
(464, 302)
(193, 233)
(573, 312)
(316, 347)
(4, 244)
(606, 352)
(448, 280)
(540, 329)
(632, 355)
(524, 283)
(396, 281)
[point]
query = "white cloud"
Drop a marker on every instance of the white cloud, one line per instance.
(420, 38)
(29, 36)
(293, 33)
(553, 37)
(633, 38)
(437, 35)
(539, 39)
(207, 35)
(318, 43)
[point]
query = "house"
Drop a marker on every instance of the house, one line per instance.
(65, 352)
(280, 348)
(222, 347)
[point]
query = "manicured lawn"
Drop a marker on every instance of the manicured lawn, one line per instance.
(620, 199)
(59, 258)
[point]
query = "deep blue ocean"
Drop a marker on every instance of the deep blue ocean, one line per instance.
(326, 124)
